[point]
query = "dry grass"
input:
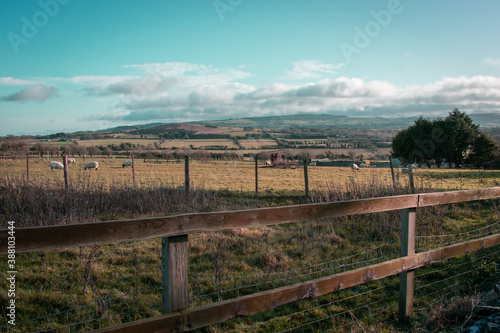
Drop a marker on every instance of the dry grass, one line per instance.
(240, 176)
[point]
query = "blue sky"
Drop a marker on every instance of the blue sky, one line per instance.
(68, 65)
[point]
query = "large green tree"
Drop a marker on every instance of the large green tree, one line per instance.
(454, 139)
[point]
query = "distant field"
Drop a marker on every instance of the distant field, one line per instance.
(256, 143)
(179, 143)
(117, 141)
(240, 175)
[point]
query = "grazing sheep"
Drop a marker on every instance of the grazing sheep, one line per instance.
(71, 160)
(127, 163)
(355, 167)
(91, 165)
(414, 166)
(56, 165)
(362, 165)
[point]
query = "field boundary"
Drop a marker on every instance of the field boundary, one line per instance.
(174, 231)
(83, 234)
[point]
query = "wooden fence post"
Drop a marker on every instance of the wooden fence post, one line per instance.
(306, 179)
(256, 176)
(174, 263)
(186, 173)
(133, 168)
(412, 184)
(66, 177)
(27, 167)
(407, 279)
(392, 173)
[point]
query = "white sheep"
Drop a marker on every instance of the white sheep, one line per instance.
(91, 165)
(354, 167)
(71, 160)
(56, 165)
(127, 163)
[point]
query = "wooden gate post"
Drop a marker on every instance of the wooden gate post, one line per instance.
(407, 279)
(174, 264)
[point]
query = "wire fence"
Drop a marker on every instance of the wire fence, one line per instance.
(355, 309)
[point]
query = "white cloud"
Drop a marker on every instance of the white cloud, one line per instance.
(37, 92)
(347, 95)
(173, 91)
(491, 61)
(305, 69)
(9, 81)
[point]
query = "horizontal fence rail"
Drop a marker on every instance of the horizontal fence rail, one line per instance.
(190, 319)
(74, 235)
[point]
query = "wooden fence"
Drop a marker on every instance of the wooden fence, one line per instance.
(175, 229)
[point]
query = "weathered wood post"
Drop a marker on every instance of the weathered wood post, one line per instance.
(256, 176)
(306, 179)
(412, 184)
(407, 279)
(133, 168)
(27, 167)
(186, 173)
(174, 263)
(66, 177)
(84, 157)
(392, 172)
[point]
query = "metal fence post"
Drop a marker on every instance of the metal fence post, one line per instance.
(407, 279)
(174, 264)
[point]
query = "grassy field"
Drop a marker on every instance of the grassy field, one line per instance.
(120, 282)
(117, 142)
(202, 143)
(256, 143)
(239, 176)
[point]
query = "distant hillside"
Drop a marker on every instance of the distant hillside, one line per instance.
(314, 120)
(486, 120)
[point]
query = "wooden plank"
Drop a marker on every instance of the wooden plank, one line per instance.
(439, 198)
(242, 306)
(83, 234)
(174, 258)
(406, 279)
